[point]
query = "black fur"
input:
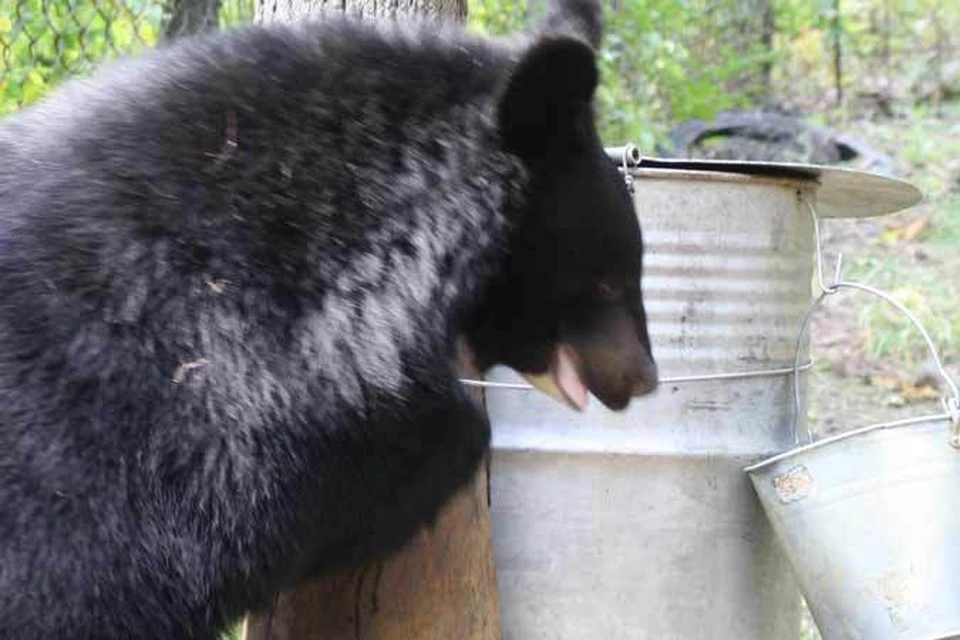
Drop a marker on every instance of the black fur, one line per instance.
(576, 18)
(232, 273)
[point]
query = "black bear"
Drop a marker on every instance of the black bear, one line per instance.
(233, 276)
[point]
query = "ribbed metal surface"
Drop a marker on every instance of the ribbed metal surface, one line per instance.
(643, 525)
(727, 270)
(871, 523)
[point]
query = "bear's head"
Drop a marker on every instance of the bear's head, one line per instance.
(566, 310)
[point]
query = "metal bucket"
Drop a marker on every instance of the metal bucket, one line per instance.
(642, 525)
(870, 521)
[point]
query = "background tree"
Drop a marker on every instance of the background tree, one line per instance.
(187, 17)
(286, 10)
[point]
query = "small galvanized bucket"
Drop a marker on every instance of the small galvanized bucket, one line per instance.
(870, 520)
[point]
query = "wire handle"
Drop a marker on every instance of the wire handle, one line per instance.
(666, 380)
(951, 397)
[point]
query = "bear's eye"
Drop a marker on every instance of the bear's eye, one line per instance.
(607, 291)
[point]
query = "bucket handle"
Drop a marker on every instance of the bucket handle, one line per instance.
(950, 399)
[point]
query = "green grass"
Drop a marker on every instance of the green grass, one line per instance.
(923, 273)
(945, 226)
(234, 634)
(924, 289)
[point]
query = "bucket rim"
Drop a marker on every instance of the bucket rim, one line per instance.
(793, 182)
(820, 444)
(842, 192)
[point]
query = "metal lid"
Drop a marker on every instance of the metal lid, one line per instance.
(843, 193)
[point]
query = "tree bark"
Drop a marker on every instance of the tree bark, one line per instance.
(187, 17)
(290, 10)
(836, 27)
(442, 586)
(768, 23)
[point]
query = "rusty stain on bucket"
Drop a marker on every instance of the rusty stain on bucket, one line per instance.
(794, 485)
(899, 597)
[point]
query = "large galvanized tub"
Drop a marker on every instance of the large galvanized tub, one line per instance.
(642, 525)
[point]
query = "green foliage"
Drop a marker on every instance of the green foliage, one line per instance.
(41, 42)
(237, 12)
(655, 72)
(658, 64)
(497, 17)
(665, 61)
(903, 50)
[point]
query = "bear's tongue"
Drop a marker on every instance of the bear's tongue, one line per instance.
(562, 381)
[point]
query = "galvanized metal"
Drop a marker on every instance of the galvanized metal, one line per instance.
(625, 156)
(869, 518)
(642, 525)
(843, 193)
(727, 375)
(871, 523)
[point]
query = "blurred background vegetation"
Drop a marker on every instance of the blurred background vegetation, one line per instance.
(670, 60)
(664, 61)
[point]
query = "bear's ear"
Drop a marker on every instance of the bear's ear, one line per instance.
(581, 18)
(550, 87)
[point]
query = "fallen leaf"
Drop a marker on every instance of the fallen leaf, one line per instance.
(915, 228)
(909, 231)
(884, 381)
(915, 393)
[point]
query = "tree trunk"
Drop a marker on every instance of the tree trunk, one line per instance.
(768, 29)
(187, 17)
(836, 27)
(290, 10)
(442, 585)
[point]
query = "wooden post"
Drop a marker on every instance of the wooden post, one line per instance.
(442, 586)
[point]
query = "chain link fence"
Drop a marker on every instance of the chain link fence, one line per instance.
(42, 42)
